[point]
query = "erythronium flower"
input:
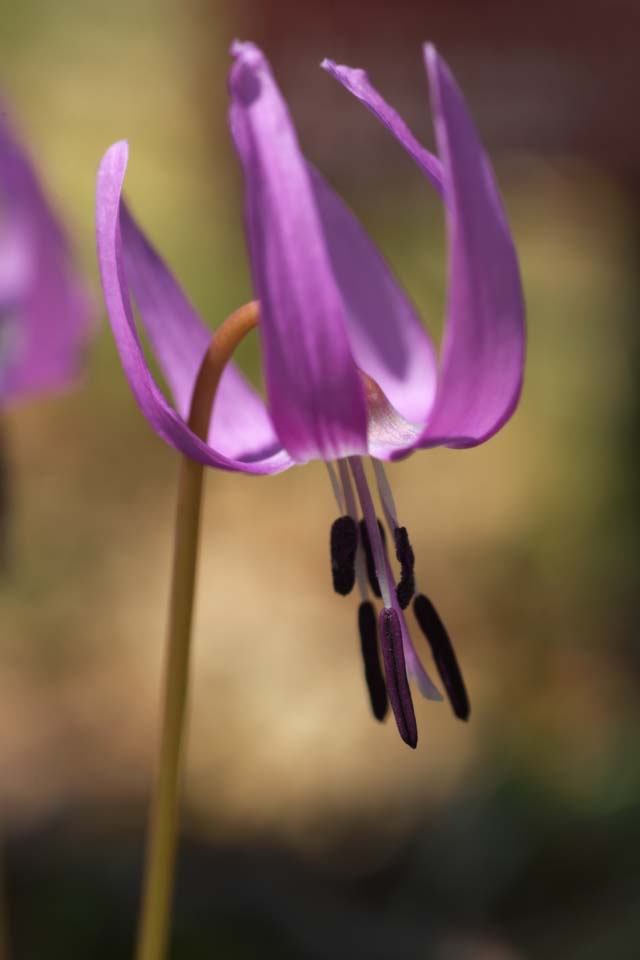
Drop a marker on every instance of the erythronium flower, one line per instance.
(349, 369)
(45, 313)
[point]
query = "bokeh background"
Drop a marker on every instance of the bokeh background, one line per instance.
(309, 831)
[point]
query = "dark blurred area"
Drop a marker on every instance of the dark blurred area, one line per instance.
(310, 831)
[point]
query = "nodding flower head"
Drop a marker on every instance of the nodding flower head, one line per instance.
(349, 370)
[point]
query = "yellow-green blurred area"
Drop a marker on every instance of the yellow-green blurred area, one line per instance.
(310, 831)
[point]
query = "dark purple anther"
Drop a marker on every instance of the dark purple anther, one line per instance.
(368, 553)
(396, 674)
(344, 543)
(404, 552)
(443, 654)
(372, 668)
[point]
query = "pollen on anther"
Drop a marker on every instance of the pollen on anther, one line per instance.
(372, 669)
(404, 553)
(443, 655)
(343, 545)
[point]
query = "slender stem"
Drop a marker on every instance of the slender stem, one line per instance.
(163, 824)
(163, 821)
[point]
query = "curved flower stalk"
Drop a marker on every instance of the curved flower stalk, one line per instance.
(349, 372)
(45, 311)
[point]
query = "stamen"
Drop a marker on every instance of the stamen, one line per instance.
(404, 552)
(443, 655)
(344, 543)
(349, 498)
(368, 554)
(372, 668)
(396, 675)
(373, 530)
(386, 497)
(335, 486)
(352, 510)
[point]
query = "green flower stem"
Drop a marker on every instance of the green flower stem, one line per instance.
(157, 897)
(163, 824)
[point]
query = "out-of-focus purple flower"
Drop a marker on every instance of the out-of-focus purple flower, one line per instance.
(45, 311)
(349, 368)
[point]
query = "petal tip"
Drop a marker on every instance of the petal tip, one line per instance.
(432, 61)
(247, 52)
(429, 51)
(354, 78)
(121, 147)
(116, 157)
(244, 77)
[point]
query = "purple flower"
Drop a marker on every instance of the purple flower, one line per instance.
(45, 313)
(349, 369)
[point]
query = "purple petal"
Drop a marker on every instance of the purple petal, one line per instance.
(387, 338)
(162, 417)
(315, 394)
(178, 337)
(357, 82)
(240, 426)
(483, 350)
(46, 315)
(484, 340)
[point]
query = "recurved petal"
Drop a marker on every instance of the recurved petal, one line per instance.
(253, 455)
(484, 339)
(240, 425)
(357, 82)
(46, 314)
(177, 335)
(387, 338)
(483, 350)
(314, 390)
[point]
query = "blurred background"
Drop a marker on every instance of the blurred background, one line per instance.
(310, 831)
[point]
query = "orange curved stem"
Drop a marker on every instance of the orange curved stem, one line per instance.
(224, 342)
